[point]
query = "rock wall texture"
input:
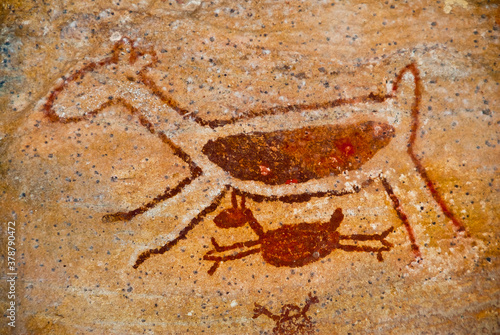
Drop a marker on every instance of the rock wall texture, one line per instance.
(249, 167)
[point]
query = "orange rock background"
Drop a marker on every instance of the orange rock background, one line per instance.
(226, 58)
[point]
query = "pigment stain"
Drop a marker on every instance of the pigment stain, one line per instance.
(299, 155)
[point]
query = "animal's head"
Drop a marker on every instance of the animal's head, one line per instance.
(94, 84)
(289, 308)
(233, 217)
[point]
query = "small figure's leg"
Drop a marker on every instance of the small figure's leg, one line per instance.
(218, 259)
(234, 200)
(219, 248)
(255, 225)
(402, 216)
(261, 310)
(370, 237)
(374, 237)
(168, 193)
(182, 235)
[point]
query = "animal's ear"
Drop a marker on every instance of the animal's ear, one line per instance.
(336, 219)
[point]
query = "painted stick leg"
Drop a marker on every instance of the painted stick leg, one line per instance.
(261, 310)
(183, 233)
(218, 259)
(362, 237)
(372, 237)
(195, 171)
(415, 124)
(219, 248)
(402, 216)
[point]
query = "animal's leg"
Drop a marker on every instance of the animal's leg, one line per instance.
(195, 171)
(219, 248)
(364, 248)
(309, 301)
(218, 259)
(415, 124)
(182, 234)
(402, 216)
(169, 192)
(261, 310)
(370, 237)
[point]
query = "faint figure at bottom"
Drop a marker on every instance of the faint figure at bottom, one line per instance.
(291, 320)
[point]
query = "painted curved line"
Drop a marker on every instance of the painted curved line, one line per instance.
(415, 125)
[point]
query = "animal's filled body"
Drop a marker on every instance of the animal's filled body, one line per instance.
(296, 156)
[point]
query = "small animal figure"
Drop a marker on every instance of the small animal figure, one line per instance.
(290, 245)
(291, 320)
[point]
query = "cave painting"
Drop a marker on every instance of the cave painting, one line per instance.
(292, 319)
(291, 165)
(290, 245)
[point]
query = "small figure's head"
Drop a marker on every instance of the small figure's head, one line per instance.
(233, 217)
(293, 321)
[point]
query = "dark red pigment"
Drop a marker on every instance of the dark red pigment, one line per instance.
(296, 245)
(299, 155)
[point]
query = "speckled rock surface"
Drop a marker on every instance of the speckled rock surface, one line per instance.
(250, 167)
